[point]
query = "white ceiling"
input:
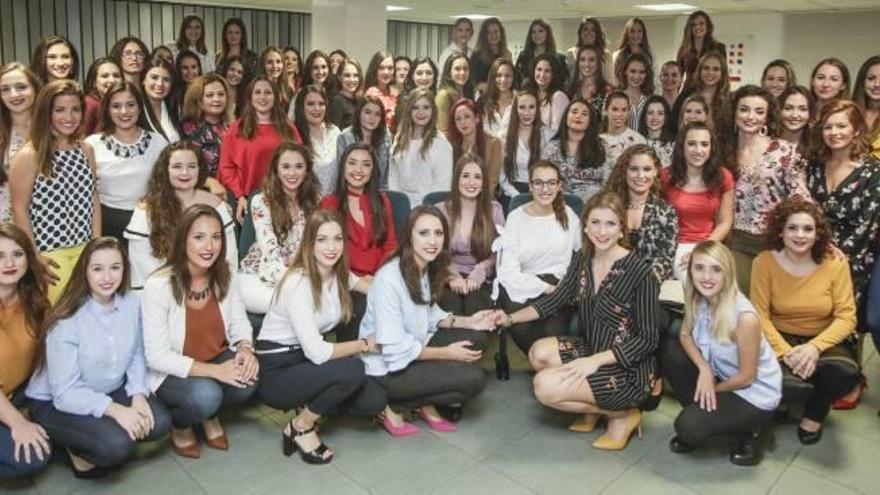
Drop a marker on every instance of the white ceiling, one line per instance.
(443, 11)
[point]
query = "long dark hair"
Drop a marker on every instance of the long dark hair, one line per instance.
(647, 86)
(119, 48)
(182, 43)
(6, 116)
(377, 136)
(488, 101)
(41, 137)
(437, 270)
(233, 21)
(601, 42)
(590, 152)
(38, 60)
(483, 50)
(667, 135)
(446, 79)
(712, 169)
(410, 81)
(512, 142)
(299, 111)
(602, 84)
(307, 195)
(555, 80)
(248, 126)
(803, 146)
(371, 77)
(483, 231)
(177, 264)
(859, 96)
(90, 86)
(31, 287)
(371, 191)
(772, 118)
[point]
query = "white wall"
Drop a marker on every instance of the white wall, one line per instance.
(850, 36)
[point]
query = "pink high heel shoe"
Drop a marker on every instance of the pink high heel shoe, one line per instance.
(441, 424)
(405, 430)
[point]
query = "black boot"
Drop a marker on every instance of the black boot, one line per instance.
(452, 413)
(679, 446)
(746, 452)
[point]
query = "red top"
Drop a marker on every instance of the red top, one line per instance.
(91, 116)
(365, 256)
(244, 162)
(696, 211)
(205, 332)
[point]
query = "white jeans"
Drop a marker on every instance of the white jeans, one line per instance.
(678, 266)
(256, 294)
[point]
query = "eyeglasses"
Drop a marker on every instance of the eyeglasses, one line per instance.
(137, 55)
(542, 184)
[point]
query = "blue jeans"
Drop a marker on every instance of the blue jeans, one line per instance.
(192, 400)
(100, 441)
(9, 467)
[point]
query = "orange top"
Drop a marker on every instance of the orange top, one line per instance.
(17, 348)
(205, 332)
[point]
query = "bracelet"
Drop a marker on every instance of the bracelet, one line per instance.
(508, 320)
(366, 346)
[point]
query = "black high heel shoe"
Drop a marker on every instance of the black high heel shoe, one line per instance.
(502, 365)
(289, 446)
(452, 413)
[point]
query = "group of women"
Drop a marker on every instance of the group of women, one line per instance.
(551, 199)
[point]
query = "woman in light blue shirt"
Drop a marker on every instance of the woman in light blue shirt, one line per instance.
(91, 395)
(426, 357)
(722, 369)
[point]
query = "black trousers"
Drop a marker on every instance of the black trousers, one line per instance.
(469, 304)
(526, 334)
(837, 373)
(346, 332)
(438, 383)
(114, 221)
(100, 441)
(733, 419)
(289, 380)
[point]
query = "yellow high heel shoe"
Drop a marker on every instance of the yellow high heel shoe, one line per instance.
(585, 423)
(633, 423)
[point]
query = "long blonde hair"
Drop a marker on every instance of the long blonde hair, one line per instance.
(405, 129)
(723, 321)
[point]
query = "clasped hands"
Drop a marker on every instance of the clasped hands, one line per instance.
(802, 360)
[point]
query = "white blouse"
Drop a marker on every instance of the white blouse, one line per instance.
(525, 255)
(415, 176)
(326, 166)
(124, 169)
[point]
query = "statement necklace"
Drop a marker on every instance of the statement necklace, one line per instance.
(194, 295)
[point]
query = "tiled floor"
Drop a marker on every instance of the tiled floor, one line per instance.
(506, 444)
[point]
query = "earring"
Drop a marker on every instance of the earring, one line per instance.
(763, 132)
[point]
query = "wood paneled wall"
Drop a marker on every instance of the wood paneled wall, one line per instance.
(415, 39)
(94, 25)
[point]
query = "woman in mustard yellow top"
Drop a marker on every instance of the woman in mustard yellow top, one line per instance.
(24, 445)
(804, 298)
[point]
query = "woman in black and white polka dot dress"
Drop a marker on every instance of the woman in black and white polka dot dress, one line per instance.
(53, 182)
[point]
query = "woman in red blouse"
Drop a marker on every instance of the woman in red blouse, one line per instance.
(251, 140)
(369, 223)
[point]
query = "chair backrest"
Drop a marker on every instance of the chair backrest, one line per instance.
(399, 209)
(248, 234)
(432, 198)
(573, 202)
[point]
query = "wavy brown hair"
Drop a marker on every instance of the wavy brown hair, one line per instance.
(784, 210)
(405, 127)
(483, 231)
(305, 262)
(41, 137)
(590, 153)
(161, 203)
(177, 264)
(182, 43)
(31, 287)
(308, 195)
(489, 99)
(90, 85)
(38, 60)
(482, 49)
(617, 179)
(437, 270)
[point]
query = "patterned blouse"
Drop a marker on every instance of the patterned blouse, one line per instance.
(616, 144)
(206, 137)
(663, 150)
(763, 184)
(581, 181)
(656, 239)
(853, 210)
(267, 257)
(620, 316)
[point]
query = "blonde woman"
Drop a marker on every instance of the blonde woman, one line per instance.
(722, 369)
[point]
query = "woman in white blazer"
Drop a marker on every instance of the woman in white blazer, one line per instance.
(197, 336)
